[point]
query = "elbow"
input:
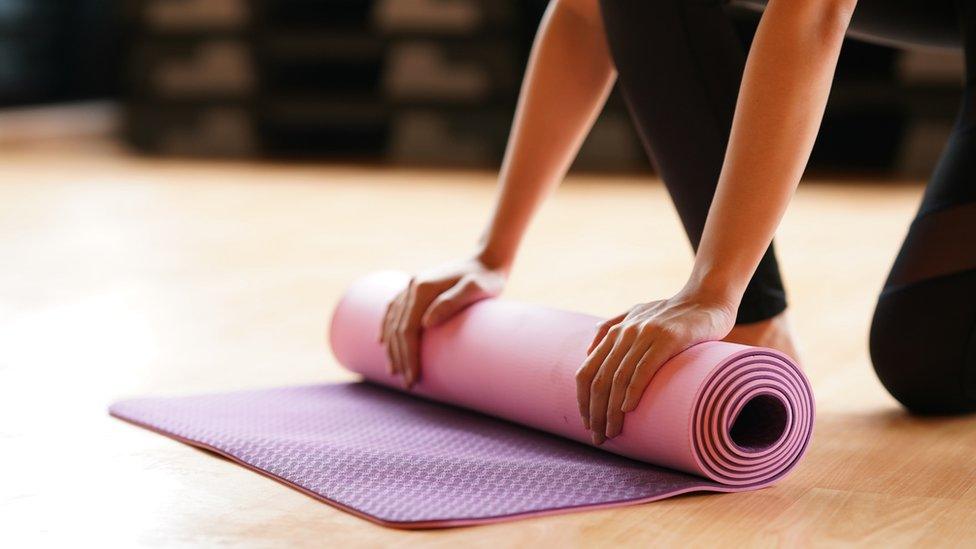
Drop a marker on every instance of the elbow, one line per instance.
(825, 21)
(587, 10)
(834, 18)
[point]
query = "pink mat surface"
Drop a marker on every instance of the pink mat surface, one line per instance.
(498, 435)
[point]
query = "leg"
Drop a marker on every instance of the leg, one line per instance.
(679, 65)
(923, 336)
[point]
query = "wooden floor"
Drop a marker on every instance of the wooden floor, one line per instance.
(122, 276)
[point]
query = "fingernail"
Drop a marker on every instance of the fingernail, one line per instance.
(598, 438)
(613, 431)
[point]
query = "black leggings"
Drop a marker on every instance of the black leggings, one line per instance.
(679, 65)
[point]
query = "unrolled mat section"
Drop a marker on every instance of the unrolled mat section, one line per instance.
(498, 435)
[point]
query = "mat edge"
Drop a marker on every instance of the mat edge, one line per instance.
(413, 525)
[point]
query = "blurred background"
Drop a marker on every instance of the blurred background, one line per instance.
(407, 82)
(188, 186)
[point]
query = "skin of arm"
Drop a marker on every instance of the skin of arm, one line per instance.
(567, 81)
(781, 102)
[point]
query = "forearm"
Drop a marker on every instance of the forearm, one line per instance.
(566, 84)
(780, 106)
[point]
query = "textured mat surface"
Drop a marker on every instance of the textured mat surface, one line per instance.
(717, 417)
(400, 459)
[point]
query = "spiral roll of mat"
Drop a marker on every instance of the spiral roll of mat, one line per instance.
(739, 416)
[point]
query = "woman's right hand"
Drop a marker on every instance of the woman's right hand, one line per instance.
(429, 299)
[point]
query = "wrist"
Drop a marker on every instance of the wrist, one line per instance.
(714, 288)
(494, 259)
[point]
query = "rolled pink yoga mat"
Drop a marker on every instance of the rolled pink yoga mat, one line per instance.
(718, 417)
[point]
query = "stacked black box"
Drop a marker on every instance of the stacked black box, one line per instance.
(430, 82)
(319, 66)
(451, 77)
(250, 77)
(191, 81)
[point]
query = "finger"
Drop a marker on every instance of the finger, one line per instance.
(389, 334)
(618, 388)
(603, 329)
(395, 331)
(387, 342)
(586, 373)
(659, 353)
(395, 356)
(411, 353)
(405, 332)
(452, 301)
(386, 319)
(600, 388)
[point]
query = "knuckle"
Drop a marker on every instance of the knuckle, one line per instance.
(583, 379)
(671, 331)
(599, 381)
(618, 376)
(652, 325)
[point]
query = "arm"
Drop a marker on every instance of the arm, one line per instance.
(567, 81)
(566, 84)
(780, 106)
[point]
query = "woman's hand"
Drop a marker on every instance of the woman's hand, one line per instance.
(428, 300)
(629, 349)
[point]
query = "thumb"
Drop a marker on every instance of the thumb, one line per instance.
(451, 302)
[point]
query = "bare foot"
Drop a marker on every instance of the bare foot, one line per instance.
(774, 333)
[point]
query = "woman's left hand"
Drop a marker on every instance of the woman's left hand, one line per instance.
(630, 348)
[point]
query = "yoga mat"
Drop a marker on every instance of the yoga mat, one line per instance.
(718, 417)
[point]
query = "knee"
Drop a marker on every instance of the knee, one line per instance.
(923, 344)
